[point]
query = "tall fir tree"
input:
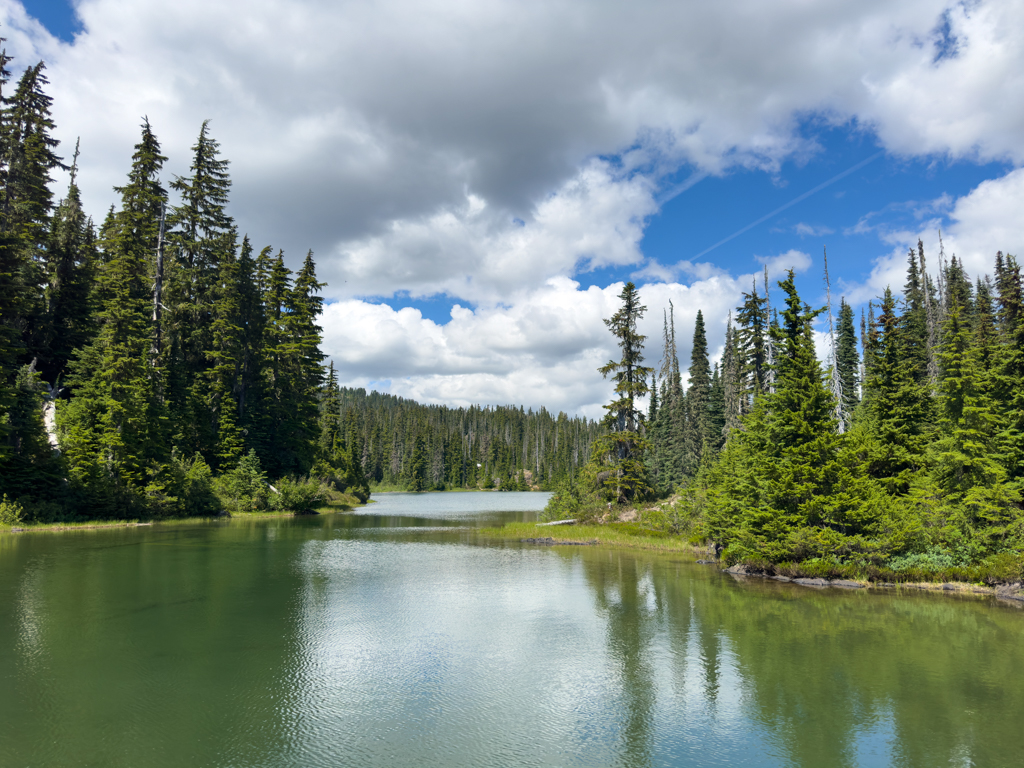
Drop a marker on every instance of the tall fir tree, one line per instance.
(621, 451)
(699, 428)
(115, 427)
(202, 239)
(752, 340)
(847, 358)
(900, 405)
(71, 262)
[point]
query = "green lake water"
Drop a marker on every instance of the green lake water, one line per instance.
(396, 637)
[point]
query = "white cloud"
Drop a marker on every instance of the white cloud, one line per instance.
(351, 124)
(489, 150)
(811, 230)
(542, 350)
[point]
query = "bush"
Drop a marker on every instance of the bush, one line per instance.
(195, 489)
(932, 561)
(300, 495)
(244, 488)
(11, 512)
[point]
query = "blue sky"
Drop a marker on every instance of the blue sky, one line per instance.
(476, 180)
(58, 16)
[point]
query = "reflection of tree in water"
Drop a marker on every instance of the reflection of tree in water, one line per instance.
(622, 594)
(940, 677)
(835, 678)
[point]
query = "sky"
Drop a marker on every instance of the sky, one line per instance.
(478, 179)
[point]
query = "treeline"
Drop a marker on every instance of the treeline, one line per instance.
(178, 366)
(399, 443)
(905, 451)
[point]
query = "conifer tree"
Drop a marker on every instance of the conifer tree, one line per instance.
(913, 322)
(622, 449)
(965, 453)
(899, 404)
(715, 432)
(752, 341)
(30, 157)
(784, 473)
(698, 425)
(68, 308)
(114, 428)
(731, 381)
(202, 242)
(847, 359)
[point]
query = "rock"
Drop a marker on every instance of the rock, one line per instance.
(812, 582)
(706, 562)
(844, 584)
(737, 570)
(949, 587)
(782, 578)
(1008, 591)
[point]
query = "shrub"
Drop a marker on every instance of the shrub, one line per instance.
(244, 488)
(300, 495)
(11, 512)
(195, 489)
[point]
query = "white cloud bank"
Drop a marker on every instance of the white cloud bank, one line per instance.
(489, 151)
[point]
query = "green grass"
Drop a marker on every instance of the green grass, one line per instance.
(627, 535)
(339, 503)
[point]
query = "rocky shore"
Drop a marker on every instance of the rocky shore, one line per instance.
(1013, 591)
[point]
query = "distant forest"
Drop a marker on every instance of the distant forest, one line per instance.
(401, 443)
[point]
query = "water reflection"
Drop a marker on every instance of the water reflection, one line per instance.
(402, 638)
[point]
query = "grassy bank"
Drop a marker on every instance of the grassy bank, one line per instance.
(627, 535)
(338, 503)
(1006, 568)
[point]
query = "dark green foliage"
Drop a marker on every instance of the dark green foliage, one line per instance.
(115, 427)
(913, 322)
(847, 359)
(298, 495)
(899, 404)
(752, 344)
(201, 298)
(244, 488)
(699, 428)
(379, 432)
(927, 481)
(621, 450)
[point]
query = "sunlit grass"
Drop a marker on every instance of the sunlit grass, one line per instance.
(628, 535)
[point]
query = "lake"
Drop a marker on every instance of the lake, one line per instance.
(396, 636)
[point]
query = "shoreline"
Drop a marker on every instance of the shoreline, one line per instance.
(631, 536)
(107, 524)
(1011, 591)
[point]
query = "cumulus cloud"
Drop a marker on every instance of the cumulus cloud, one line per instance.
(488, 150)
(350, 124)
(542, 350)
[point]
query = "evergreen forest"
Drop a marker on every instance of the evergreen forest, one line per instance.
(161, 365)
(903, 453)
(401, 444)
